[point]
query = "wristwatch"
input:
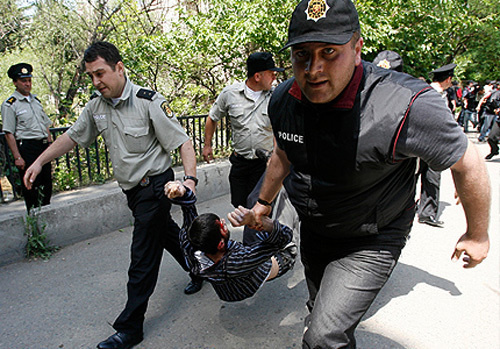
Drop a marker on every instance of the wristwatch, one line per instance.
(193, 178)
(263, 202)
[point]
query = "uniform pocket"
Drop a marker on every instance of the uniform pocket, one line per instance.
(235, 111)
(136, 138)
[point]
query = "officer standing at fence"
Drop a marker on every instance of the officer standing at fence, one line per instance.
(246, 104)
(140, 130)
(26, 128)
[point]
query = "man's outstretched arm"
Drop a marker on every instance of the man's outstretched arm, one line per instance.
(61, 146)
(473, 188)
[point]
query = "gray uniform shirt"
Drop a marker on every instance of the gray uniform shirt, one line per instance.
(24, 117)
(139, 133)
(250, 123)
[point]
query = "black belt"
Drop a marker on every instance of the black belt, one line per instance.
(33, 141)
(241, 157)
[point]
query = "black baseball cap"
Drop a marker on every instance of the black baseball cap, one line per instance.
(261, 61)
(328, 21)
(20, 70)
(389, 60)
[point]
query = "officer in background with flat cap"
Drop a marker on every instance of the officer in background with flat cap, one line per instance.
(348, 135)
(26, 128)
(389, 60)
(430, 180)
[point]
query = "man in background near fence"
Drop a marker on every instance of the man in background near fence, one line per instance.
(246, 104)
(140, 130)
(26, 128)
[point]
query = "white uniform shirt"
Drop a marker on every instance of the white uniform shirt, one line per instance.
(23, 116)
(250, 123)
(139, 133)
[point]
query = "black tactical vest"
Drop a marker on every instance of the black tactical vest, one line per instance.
(344, 180)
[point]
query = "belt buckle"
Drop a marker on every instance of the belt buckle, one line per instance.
(144, 181)
(45, 141)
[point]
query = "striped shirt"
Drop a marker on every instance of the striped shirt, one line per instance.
(243, 269)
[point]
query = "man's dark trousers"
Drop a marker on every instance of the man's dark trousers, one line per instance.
(41, 191)
(243, 177)
(429, 197)
(154, 230)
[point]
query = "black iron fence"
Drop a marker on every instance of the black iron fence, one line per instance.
(85, 166)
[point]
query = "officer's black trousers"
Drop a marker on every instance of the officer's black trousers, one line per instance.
(429, 195)
(243, 177)
(154, 230)
(494, 137)
(41, 191)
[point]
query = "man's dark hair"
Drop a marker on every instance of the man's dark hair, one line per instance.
(204, 233)
(105, 50)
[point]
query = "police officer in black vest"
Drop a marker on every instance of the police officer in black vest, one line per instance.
(26, 128)
(348, 135)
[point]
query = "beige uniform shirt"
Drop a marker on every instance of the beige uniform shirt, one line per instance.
(250, 123)
(24, 117)
(139, 133)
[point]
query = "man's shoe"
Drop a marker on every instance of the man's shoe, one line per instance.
(490, 155)
(431, 221)
(121, 340)
(193, 286)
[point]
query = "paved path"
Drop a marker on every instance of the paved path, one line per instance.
(428, 303)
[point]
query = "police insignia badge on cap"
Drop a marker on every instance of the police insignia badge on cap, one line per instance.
(166, 109)
(24, 71)
(317, 9)
(384, 64)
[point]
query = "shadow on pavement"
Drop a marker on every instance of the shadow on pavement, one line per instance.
(403, 280)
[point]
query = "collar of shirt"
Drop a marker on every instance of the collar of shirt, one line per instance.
(346, 98)
(253, 95)
(437, 87)
(19, 96)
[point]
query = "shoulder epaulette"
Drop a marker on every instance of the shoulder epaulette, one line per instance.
(94, 95)
(146, 94)
(11, 100)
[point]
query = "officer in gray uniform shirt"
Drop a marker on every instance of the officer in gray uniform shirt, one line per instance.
(246, 104)
(26, 128)
(140, 130)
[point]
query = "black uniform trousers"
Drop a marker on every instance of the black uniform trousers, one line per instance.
(154, 230)
(430, 182)
(243, 177)
(494, 136)
(41, 191)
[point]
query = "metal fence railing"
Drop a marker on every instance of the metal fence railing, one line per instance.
(85, 166)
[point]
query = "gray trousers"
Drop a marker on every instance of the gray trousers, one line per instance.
(344, 276)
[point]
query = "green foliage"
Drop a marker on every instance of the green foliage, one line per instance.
(430, 33)
(11, 25)
(191, 51)
(37, 244)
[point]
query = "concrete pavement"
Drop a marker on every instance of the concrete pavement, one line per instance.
(429, 302)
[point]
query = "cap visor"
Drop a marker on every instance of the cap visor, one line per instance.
(341, 39)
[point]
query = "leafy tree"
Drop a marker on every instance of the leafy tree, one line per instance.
(12, 22)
